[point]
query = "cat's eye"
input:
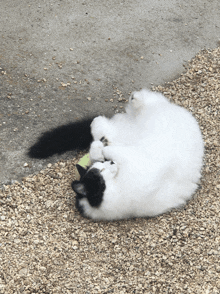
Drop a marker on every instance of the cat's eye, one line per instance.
(112, 162)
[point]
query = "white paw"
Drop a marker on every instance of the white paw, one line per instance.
(98, 127)
(96, 151)
(136, 99)
(109, 153)
(112, 167)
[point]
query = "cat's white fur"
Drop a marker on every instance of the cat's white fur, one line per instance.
(157, 149)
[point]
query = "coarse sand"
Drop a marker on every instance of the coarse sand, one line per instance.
(47, 247)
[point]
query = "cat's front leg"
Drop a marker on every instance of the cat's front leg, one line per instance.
(96, 151)
(110, 153)
(101, 127)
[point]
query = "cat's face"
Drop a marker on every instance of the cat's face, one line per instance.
(91, 187)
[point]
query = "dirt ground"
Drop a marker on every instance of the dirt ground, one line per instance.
(47, 247)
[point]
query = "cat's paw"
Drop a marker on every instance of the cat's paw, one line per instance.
(136, 99)
(145, 98)
(113, 167)
(110, 153)
(98, 127)
(108, 169)
(96, 151)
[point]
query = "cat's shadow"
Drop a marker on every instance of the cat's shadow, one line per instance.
(73, 136)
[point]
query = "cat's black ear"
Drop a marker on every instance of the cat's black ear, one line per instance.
(81, 170)
(79, 188)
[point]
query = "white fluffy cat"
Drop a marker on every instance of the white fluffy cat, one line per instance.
(144, 162)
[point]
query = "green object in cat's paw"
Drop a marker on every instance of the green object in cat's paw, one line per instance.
(84, 162)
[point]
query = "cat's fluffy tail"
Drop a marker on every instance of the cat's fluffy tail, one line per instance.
(73, 136)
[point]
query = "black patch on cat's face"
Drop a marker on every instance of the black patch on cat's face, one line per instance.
(91, 186)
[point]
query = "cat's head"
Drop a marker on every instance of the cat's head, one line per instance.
(92, 185)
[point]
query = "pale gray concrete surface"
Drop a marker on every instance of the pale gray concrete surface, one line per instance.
(128, 44)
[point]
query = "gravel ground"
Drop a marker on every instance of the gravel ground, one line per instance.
(47, 247)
